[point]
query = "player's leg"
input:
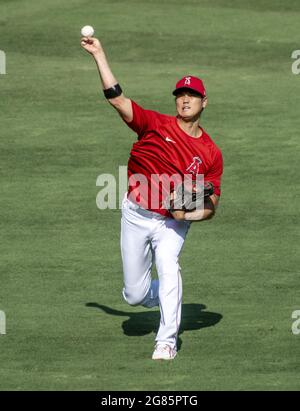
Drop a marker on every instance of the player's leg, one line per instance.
(167, 244)
(137, 258)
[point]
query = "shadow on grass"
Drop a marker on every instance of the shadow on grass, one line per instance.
(144, 322)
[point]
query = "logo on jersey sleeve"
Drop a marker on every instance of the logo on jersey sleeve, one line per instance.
(194, 167)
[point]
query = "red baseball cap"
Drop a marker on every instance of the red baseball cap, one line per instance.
(192, 83)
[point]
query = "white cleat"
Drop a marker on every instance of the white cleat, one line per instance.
(164, 352)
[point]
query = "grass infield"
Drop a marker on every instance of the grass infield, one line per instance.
(60, 280)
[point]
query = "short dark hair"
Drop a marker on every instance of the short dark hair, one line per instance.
(189, 90)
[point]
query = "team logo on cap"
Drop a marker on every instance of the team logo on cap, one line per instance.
(187, 81)
(194, 166)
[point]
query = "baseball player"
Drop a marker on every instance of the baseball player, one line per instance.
(168, 146)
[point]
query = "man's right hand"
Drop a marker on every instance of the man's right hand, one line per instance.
(91, 45)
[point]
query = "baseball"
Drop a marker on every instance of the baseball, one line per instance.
(87, 31)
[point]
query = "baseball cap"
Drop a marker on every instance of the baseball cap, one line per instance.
(192, 83)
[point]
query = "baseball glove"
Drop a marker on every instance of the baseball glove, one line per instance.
(187, 197)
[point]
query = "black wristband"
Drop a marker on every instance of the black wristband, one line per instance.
(112, 92)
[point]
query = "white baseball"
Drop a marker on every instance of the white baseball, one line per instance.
(87, 31)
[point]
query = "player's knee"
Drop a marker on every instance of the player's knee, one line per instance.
(133, 296)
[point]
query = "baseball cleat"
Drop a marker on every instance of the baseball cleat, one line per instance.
(164, 352)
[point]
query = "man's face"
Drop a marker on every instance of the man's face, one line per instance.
(189, 104)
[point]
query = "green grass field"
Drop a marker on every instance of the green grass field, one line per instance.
(61, 278)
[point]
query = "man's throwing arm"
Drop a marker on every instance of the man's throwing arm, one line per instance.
(110, 85)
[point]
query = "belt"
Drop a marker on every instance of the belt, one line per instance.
(142, 211)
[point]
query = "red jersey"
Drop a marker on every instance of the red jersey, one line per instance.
(164, 148)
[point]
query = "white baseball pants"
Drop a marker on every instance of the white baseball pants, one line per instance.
(147, 237)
